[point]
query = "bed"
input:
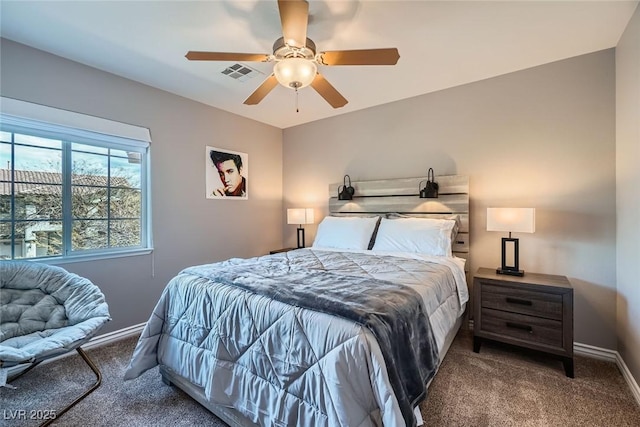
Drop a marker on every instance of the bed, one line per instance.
(348, 332)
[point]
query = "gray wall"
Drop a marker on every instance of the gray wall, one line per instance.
(187, 228)
(543, 137)
(628, 193)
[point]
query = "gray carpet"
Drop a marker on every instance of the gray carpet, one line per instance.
(500, 386)
(504, 386)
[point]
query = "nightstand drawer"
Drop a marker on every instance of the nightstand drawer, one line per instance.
(522, 301)
(527, 328)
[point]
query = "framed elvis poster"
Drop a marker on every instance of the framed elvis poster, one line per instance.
(227, 174)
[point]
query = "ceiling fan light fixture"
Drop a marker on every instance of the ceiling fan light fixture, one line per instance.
(295, 73)
(296, 58)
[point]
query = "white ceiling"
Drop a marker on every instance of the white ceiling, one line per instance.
(442, 44)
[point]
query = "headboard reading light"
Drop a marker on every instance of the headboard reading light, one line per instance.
(347, 190)
(430, 189)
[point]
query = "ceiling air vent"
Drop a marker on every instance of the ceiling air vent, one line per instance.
(240, 72)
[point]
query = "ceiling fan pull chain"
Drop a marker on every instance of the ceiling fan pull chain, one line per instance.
(297, 110)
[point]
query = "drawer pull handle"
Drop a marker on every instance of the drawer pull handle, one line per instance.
(519, 326)
(519, 301)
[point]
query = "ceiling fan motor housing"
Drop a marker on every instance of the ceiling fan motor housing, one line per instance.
(281, 50)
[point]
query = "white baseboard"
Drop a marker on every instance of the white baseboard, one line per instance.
(103, 339)
(114, 336)
(626, 373)
(594, 352)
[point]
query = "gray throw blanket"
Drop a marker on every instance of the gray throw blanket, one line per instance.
(392, 312)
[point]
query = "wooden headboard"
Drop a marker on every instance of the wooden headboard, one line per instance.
(401, 196)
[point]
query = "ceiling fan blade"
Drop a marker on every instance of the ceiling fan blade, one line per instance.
(328, 92)
(226, 56)
(262, 91)
(360, 57)
(294, 16)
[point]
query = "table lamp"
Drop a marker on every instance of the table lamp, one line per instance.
(517, 220)
(300, 216)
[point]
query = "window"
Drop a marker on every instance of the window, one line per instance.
(68, 192)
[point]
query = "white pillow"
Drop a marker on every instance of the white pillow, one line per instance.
(421, 235)
(345, 232)
(455, 217)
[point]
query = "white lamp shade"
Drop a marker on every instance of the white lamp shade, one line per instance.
(300, 216)
(517, 220)
(295, 73)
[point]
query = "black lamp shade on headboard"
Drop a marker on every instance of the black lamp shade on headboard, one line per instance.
(347, 190)
(430, 189)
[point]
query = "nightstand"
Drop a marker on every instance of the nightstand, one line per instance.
(534, 311)
(277, 251)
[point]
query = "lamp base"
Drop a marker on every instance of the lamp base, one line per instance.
(300, 237)
(510, 272)
(507, 268)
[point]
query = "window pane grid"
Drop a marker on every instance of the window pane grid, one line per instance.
(26, 140)
(105, 218)
(7, 230)
(61, 198)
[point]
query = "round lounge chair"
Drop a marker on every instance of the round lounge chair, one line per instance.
(45, 311)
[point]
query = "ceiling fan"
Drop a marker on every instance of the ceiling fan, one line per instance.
(296, 60)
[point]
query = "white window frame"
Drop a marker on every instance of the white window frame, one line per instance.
(39, 120)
